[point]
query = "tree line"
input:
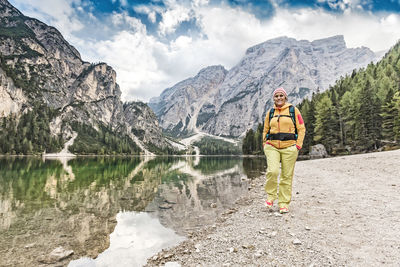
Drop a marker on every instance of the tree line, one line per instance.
(252, 142)
(211, 146)
(103, 141)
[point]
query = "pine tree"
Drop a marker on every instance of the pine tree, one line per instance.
(258, 139)
(248, 143)
(388, 114)
(368, 120)
(307, 111)
(347, 110)
(396, 126)
(324, 123)
(337, 121)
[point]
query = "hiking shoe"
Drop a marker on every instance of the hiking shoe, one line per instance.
(283, 210)
(269, 204)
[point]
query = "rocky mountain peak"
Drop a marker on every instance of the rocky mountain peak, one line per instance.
(52, 40)
(6, 9)
(210, 69)
(270, 44)
(337, 40)
(332, 44)
(38, 38)
(184, 100)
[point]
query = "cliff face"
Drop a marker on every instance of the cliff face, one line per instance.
(38, 65)
(179, 107)
(240, 99)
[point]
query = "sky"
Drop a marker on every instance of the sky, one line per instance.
(155, 44)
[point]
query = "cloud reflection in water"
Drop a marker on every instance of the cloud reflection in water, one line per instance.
(137, 236)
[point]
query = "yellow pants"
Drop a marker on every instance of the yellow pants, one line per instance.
(287, 157)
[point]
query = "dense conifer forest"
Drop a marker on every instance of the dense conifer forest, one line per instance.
(252, 142)
(360, 113)
(30, 133)
(211, 146)
(101, 141)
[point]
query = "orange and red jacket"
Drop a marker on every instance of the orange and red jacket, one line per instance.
(284, 125)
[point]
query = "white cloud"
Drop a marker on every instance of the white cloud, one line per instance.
(374, 31)
(152, 17)
(347, 5)
(124, 3)
(197, 3)
(123, 19)
(172, 17)
(132, 55)
(150, 11)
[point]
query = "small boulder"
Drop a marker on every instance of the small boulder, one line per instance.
(318, 151)
(58, 254)
(31, 245)
(172, 264)
(296, 242)
(258, 254)
(233, 250)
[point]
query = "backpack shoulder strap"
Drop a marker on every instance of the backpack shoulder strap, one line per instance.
(271, 115)
(293, 116)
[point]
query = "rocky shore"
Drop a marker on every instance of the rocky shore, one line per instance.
(345, 211)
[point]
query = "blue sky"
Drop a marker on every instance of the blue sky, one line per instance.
(154, 44)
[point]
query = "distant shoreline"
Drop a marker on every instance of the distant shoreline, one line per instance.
(71, 155)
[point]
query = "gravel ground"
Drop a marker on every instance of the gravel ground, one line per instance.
(345, 211)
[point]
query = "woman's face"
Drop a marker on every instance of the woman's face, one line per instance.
(279, 99)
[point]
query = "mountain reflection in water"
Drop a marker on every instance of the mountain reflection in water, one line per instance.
(78, 204)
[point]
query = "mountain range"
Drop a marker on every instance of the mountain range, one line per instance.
(229, 102)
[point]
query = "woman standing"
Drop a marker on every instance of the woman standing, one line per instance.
(283, 136)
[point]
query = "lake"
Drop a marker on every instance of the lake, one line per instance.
(112, 209)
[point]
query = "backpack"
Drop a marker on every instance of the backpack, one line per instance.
(292, 116)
